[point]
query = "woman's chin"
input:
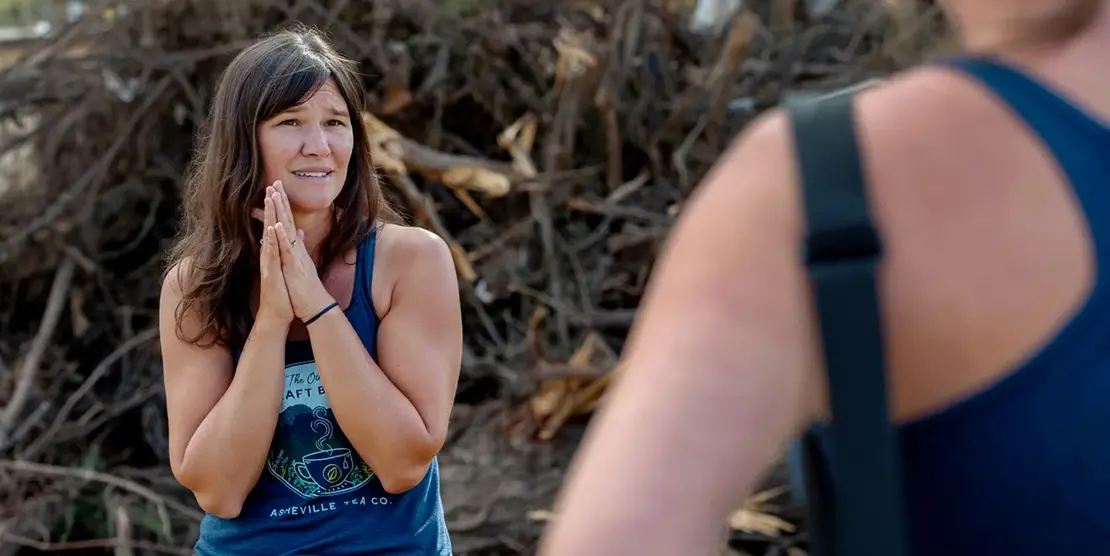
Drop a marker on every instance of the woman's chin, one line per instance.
(312, 205)
(311, 201)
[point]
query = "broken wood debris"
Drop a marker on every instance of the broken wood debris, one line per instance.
(552, 145)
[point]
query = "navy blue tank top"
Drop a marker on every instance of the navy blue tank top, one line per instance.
(1023, 467)
(316, 495)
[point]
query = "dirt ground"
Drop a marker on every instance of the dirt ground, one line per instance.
(494, 483)
(497, 486)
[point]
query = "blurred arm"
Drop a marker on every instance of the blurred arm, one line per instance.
(719, 373)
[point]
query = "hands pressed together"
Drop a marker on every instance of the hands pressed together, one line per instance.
(290, 285)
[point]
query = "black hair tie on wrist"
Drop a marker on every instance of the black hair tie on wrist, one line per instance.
(333, 305)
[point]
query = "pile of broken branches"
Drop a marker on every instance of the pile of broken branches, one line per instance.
(551, 144)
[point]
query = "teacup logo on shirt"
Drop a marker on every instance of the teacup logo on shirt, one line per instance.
(310, 454)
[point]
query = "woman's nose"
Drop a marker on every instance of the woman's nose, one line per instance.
(315, 142)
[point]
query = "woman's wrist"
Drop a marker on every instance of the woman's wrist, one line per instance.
(326, 309)
(316, 307)
(270, 323)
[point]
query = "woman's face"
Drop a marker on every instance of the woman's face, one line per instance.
(308, 148)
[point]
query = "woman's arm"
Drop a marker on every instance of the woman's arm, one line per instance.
(719, 373)
(395, 414)
(221, 419)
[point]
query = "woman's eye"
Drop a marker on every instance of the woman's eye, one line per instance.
(337, 122)
(289, 122)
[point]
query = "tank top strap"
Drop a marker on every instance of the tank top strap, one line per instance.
(1055, 118)
(364, 272)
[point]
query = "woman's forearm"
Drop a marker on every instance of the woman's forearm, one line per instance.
(383, 425)
(224, 458)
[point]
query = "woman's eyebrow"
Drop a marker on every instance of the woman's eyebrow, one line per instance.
(336, 110)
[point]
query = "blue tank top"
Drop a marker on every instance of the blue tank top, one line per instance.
(1023, 467)
(316, 495)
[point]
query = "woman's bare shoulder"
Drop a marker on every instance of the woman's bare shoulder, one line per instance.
(406, 251)
(408, 237)
(177, 278)
(399, 245)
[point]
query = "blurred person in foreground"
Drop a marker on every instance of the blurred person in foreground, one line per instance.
(311, 344)
(989, 180)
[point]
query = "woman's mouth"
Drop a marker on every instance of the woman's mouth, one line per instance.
(315, 176)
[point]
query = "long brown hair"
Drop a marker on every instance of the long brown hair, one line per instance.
(218, 244)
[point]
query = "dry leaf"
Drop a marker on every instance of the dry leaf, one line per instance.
(462, 263)
(541, 515)
(571, 46)
(560, 399)
(754, 516)
(581, 396)
(378, 130)
(757, 522)
(389, 163)
(585, 351)
(574, 57)
(493, 184)
(548, 397)
(385, 145)
(592, 395)
(522, 134)
(518, 140)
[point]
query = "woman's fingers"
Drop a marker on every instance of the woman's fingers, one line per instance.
(276, 256)
(284, 242)
(259, 214)
(267, 256)
(286, 211)
(270, 217)
(277, 219)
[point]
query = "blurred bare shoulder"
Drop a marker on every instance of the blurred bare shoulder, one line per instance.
(723, 335)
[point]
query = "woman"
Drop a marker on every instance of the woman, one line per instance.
(987, 178)
(311, 345)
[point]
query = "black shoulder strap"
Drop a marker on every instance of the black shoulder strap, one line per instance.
(860, 512)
